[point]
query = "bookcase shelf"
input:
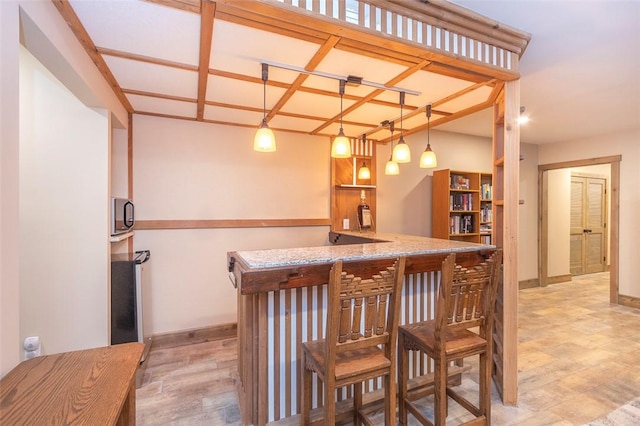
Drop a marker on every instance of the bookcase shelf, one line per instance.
(462, 206)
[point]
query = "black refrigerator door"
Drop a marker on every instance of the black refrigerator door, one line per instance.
(123, 302)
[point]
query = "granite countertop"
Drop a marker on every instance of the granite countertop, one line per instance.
(388, 245)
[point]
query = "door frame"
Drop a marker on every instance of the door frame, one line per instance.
(543, 246)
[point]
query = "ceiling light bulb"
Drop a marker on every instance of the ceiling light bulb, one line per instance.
(264, 140)
(391, 168)
(428, 159)
(341, 146)
(523, 119)
(364, 172)
(401, 152)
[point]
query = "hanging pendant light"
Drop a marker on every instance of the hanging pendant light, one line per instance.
(401, 153)
(364, 172)
(391, 168)
(341, 146)
(428, 158)
(264, 140)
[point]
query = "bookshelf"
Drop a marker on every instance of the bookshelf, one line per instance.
(462, 206)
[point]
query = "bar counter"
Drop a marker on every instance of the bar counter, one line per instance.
(282, 302)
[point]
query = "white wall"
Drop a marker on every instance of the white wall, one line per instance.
(9, 178)
(186, 170)
(528, 214)
(404, 200)
(559, 209)
(624, 144)
(63, 214)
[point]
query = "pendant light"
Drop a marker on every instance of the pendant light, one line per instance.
(364, 172)
(341, 146)
(264, 140)
(401, 153)
(391, 168)
(428, 158)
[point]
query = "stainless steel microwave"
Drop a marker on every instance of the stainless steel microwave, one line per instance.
(122, 216)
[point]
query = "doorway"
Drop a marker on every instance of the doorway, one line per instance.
(588, 224)
(545, 214)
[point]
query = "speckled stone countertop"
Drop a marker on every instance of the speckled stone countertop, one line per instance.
(387, 245)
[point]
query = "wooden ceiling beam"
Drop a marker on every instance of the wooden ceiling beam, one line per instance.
(186, 5)
(322, 52)
(72, 20)
(284, 14)
(141, 58)
(207, 17)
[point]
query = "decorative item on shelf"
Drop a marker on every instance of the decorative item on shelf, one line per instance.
(264, 140)
(401, 152)
(364, 172)
(428, 158)
(341, 146)
(365, 219)
(391, 168)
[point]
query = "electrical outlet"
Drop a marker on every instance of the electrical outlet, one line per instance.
(32, 347)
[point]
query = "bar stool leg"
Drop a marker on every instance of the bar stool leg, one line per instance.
(306, 393)
(440, 389)
(403, 368)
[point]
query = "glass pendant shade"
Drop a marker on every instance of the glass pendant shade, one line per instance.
(264, 140)
(428, 159)
(391, 168)
(401, 152)
(364, 172)
(341, 146)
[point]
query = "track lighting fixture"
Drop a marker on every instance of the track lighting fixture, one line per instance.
(264, 140)
(341, 146)
(428, 158)
(401, 153)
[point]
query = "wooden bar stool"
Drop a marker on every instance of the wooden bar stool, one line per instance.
(466, 300)
(360, 343)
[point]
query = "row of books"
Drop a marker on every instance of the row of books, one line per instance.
(459, 182)
(485, 239)
(486, 214)
(461, 224)
(461, 202)
(485, 191)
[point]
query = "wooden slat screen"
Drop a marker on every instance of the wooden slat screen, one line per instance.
(377, 16)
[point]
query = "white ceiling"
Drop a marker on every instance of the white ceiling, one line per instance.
(580, 72)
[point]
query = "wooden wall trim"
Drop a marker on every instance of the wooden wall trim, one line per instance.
(190, 337)
(229, 223)
(630, 301)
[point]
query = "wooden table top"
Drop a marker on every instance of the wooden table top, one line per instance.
(81, 387)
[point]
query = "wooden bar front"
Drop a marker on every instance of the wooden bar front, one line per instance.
(282, 303)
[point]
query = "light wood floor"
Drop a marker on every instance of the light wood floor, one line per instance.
(578, 359)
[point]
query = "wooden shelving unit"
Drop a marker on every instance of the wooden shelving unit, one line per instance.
(462, 206)
(346, 187)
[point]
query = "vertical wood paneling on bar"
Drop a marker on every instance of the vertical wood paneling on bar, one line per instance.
(361, 17)
(263, 367)
(315, 6)
(320, 334)
(276, 356)
(329, 6)
(295, 373)
(287, 350)
(373, 17)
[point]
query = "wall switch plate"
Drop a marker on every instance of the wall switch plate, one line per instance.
(345, 224)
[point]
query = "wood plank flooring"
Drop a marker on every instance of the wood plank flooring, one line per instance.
(579, 359)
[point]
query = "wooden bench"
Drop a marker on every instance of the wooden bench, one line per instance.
(86, 387)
